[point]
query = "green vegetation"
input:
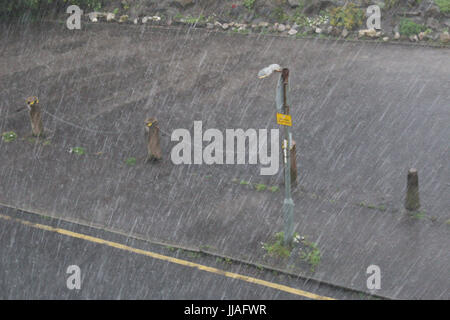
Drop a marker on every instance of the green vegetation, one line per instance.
(249, 4)
(277, 248)
(389, 4)
(116, 11)
(193, 254)
(348, 16)
(260, 187)
(313, 22)
(311, 254)
(409, 28)
(274, 189)
(381, 207)
(9, 136)
(78, 151)
(244, 182)
(125, 5)
(224, 260)
(444, 5)
(418, 215)
(279, 15)
(191, 20)
(131, 161)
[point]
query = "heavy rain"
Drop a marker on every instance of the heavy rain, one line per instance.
(86, 181)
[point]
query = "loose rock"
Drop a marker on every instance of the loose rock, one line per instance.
(444, 37)
(110, 17)
(93, 16)
(344, 33)
(372, 33)
(292, 32)
(413, 38)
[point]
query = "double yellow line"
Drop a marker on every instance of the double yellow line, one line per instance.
(158, 256)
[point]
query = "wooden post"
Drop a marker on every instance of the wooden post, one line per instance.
(153, 145)
(293, 163)
(35, 115)
(412, 201)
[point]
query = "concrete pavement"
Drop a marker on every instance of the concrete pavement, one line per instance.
(363, 114)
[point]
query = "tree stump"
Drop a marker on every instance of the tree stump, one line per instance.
(412, 201)
(153, 142)
(35, 115)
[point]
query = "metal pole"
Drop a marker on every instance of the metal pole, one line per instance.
(288, 204)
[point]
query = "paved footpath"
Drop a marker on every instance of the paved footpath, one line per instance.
(363, 114)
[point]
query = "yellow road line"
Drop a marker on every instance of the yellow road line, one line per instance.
(169, 259)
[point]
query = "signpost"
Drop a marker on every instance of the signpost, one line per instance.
(284, 119)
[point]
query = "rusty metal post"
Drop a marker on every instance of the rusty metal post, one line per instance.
(35, 115)
(288, 204)
(153, 142)
(293, 163)
(412, 201)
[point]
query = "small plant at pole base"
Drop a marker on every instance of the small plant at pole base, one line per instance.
(278, 248)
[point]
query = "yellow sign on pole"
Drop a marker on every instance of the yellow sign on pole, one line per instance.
(284, 119)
